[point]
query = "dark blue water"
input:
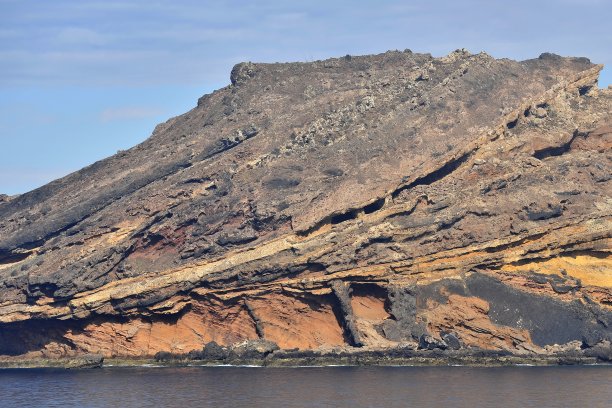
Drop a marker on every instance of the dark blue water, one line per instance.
(310, 387)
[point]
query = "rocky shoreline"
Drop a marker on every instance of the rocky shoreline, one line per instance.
(267, 354)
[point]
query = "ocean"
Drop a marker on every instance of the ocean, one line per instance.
(499, 387)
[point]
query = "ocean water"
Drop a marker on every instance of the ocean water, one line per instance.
(573, 386)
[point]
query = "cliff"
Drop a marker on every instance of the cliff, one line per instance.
(371, 201)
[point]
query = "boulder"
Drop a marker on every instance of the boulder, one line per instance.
(86, 361)
(602, 351)
(427, 342)
(215, 352)
(592, 338)
(451, 340)
(163, 356)
(253, 349)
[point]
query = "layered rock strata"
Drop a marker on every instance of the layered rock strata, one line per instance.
(370, 202)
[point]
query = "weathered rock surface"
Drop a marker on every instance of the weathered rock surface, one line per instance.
(368, 201)
(85, 361)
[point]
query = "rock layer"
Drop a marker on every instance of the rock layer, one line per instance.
(369, 201)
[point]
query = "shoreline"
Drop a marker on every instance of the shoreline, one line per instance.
(423, 358)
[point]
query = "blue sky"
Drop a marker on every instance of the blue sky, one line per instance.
(80, 80)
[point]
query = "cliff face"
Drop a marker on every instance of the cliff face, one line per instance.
(359, 201)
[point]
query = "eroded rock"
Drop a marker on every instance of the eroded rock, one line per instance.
(86, 361)
(460, 202)
(252, 349)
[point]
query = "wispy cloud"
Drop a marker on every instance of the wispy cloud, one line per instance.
(129, 113)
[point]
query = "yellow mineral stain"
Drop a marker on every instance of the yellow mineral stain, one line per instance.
(591, 270)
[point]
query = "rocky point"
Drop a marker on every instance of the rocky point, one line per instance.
(364, 203)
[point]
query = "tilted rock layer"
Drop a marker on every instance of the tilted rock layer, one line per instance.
(358, 201)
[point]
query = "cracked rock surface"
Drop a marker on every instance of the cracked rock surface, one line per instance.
(367, 201)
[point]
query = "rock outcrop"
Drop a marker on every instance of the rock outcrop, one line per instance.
(85, 361)
(460, 202)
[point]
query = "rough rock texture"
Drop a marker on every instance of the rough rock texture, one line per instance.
(86, 361)
(375, 201)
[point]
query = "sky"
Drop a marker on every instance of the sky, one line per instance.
(80, 80)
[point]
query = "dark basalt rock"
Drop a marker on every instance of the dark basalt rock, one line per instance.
(242, 72)
(549, 321)
(86, 361)
(342, 291)
(594, 337)
(451, 341)
(602, 351)
(164, 356)
(403, 307)
(215, 352)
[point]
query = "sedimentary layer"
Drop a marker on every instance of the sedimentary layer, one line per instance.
(371, 201)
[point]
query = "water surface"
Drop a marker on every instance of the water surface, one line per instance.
(586, 386)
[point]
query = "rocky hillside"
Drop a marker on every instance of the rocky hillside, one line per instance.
(359, 201)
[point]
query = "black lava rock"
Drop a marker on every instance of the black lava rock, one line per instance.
(213, 351)
(452, 341)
